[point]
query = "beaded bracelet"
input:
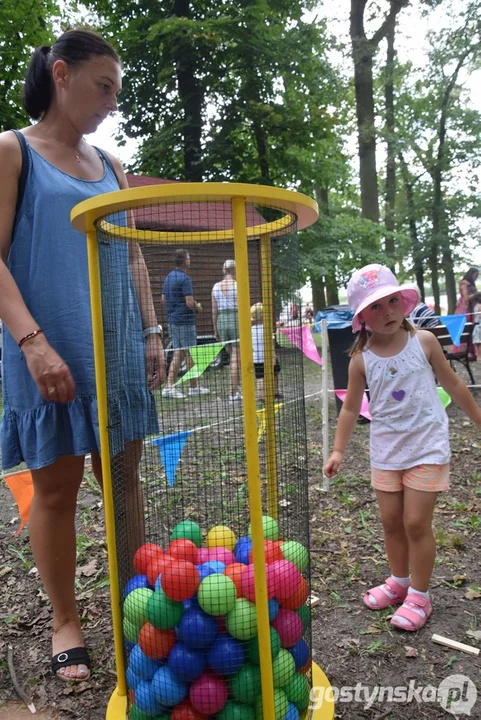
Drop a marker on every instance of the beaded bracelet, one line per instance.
(30, 337)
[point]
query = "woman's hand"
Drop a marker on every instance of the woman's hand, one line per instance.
(333, 464)
(154, 361)
(50, 373)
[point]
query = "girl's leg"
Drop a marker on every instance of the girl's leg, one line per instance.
(391, 509)
(233, 369)
(53, 540)
(418, 518)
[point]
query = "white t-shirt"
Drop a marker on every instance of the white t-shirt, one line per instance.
(409, 424)
(225, 301)
(258, 343)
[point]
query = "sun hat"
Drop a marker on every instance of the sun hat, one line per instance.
(373, 282)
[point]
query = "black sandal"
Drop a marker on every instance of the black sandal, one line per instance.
(67, 658)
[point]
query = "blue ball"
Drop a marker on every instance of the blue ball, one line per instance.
(191, 602)
(143, 666)
(146, 701)
(300, 653)
(226, 655)
(168, 690)
(292, 713)
(186, 663)
(157, 585)
(196, 629)
(138, 581)
(273, 609)
(132, 679)
(242, 549)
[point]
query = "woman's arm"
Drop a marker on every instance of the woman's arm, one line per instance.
(349, 413)
(215, 314)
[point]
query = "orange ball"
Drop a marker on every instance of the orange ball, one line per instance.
(298, 598)
(155, 643)
(272, 552)
(144, 556)
(157, 566)
(234, 572)
(180, 580)
(305, 668)
(183, 549)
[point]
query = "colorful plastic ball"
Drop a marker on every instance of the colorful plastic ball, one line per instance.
(297, 691)
(234, 572)
(209, 568)
(253, 647)
(245, 685)
(197, 629)
(143, 666)
(131, 631)
(136, 714)
(146, 700)
(226, 655)
(280, 705)
(273, 609)
(305, 615)
(289, 626)
(221, 536)
(248, 586)
(295, 553)
(209, 693)
(202, 555)
(144, 556)
(189, 530)
(185, 711)
(156, 567)
(242, 550)
(158, 583)
(298, 597)
(306, 667)
(183, 549)
(155, 643)
(186, 663)
(162, 612)
(180, 580)
(283, 668)
(292, 712)
(168, 689)
(136, 582)
(132, 679)
(300, 653)
(286, 578)
(224, 555)
(217, 594)
(135, 606)
(236, 711)
(272, 552)
(270, 528)
(241, 621)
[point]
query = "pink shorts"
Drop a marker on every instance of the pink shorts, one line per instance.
(428, 478)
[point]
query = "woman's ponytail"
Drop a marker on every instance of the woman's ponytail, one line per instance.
(38, 88)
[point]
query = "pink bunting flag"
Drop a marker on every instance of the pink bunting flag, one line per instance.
(302, 338)
(364, 411)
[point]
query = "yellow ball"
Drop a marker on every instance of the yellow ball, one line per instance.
(221, 536)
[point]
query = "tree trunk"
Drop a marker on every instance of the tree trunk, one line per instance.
(318, 294)
(450, 280)
(433, 267)
(390, 196)
(332, 291)
(417, 252)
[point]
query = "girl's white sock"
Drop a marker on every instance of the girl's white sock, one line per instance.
(403, 582)
(419, 611)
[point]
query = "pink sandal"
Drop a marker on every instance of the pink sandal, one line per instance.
(389, 593)
(410, 611)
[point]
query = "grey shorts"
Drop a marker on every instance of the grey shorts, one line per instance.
(227, 325)
(183, 336)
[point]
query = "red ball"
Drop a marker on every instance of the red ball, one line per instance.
(157, 566)
(298, 598)
(272, 552)
(183, 549)
(185, 711)
(305, 668)
(145, 555)
(180, 580)
(155, 643)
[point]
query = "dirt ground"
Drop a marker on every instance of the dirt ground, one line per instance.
(352, 644)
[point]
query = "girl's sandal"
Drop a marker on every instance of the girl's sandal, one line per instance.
(385, 595)
(416, 610)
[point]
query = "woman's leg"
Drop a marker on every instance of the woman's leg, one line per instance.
(53, 540)
(391, 509)
(233, 369)
(418, 518)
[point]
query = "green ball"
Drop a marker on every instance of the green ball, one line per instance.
(253, 647)
(296, 553)
(135, 606)
(217, 594)
(131, 631)
(241, 621)
(236, 711)
(136, 714)
(270, 528)
(305, 615)
(297, 691)
(280, 705)
(188, 529)
(162, 612)
(245, 685)
(283, 668)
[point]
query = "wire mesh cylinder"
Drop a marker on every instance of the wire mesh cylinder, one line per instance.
(209, 522)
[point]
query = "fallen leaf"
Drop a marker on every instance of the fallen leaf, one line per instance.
(472, 594)
(459, 579)
(474, 634)
(87, 570)
(410, 651)
(5, 570)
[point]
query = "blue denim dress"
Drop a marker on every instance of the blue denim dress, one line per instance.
(48, 261)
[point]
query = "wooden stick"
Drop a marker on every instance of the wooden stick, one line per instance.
(13, 676)
(455, 645)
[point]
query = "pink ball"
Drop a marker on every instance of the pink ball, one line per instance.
(248, 583)
(288, 625)
(202, 555)
(222, 555)
(286, 578)
(209, 693)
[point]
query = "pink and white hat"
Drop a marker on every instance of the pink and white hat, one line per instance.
(373, 282)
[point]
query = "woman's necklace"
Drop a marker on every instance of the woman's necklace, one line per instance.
(76, 151)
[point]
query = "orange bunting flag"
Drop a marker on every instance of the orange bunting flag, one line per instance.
(21, 487)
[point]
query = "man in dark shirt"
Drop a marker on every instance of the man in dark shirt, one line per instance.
(178, 296)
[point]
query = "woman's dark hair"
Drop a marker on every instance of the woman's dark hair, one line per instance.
(471, 275)
(74, 47)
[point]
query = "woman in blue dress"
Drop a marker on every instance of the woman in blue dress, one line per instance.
(50, 412)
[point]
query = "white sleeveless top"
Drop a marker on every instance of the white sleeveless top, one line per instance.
(409, 424)
(227, 301)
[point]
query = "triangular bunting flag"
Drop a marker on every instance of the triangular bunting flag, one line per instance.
(455, 325)
(21, 487)
(302, 338)
(202, 355)
(170, 449)
(444, 397)
(364, 411)
(261, 417)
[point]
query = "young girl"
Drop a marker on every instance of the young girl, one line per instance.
(409, 433)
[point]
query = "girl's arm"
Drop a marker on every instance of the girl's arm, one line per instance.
(446, 376)
(349, 413)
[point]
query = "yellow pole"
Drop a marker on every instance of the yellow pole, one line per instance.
(101, 382)
(252, 454)
(268, 303)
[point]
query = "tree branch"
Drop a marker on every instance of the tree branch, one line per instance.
(380, 34)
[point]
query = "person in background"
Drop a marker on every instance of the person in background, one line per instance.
(224, 320)
(467, 293)
(178, 296)
(257, 320)
(423, 316)
(476, 336)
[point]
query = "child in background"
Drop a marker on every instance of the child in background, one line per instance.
(409, 445)
(257, 320)
(476, 336)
